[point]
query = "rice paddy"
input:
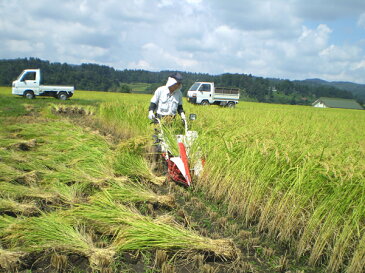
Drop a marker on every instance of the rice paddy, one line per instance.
(293, 175)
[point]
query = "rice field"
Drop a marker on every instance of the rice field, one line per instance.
(293, 174)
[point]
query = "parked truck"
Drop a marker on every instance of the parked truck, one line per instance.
(28, 85)
(205, 93)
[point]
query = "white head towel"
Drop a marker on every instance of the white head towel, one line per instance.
(170, 82)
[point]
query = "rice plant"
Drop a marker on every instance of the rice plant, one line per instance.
(73, 109)
(11, 205)
(137, 232)
(129, 192)
(20, 192)
(296, 171)
(133, 165)
(10, 259)
(145, 233)
(69, 194)
(107, 215)
(52, 231)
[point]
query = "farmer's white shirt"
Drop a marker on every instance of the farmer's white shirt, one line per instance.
(166, 102)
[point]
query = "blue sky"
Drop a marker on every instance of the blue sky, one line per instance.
(344, 30)
(288, 39)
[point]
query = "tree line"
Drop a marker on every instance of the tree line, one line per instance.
(104, 78)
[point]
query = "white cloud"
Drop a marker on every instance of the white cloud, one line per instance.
(361, 20)
(211, 36)
(314, 40)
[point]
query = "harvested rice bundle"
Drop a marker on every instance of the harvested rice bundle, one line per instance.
(135, 166)
(52, 231)
(147, 234)
(69, 193)
(10, 260)
(135, 231)
(20, 191)
(8, 204)
(105, 213)
(5, 223)
(129, 192)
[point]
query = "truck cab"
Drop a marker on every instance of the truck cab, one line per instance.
(28, 85)
(28, 79)
(205, 93)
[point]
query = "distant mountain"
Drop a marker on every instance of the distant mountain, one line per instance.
(358, 90)
(89, 76)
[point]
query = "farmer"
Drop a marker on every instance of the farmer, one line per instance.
(167, 100)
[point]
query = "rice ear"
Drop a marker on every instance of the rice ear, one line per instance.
(224, 248)
(59, 261)
(101, 258)
(157, 180)
(10, 260)
(147, 234)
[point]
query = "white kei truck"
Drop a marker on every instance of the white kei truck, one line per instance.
(28, 85)
(205, 93)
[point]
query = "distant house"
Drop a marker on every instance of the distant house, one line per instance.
(336, 103)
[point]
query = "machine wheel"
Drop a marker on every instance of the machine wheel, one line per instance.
(231, 104)
(29, 94)
(204, 102)
(62, 96)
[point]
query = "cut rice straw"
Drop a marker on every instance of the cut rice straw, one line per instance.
(130, 192)
(135, 231)
(56, 232)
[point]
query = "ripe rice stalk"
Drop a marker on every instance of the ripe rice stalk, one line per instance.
(144, 233)
(337, 229)
(52, 231)
(6, 222)
(73, 109)
(10, 260)
(135, 166)
(104, 213)
(135, 231)
(7, 172)
(357, 262)
(130, 192)
(59, 261)
(169, 135)
(27, 179)
(69, 193)
(20, 191)
(25, 208)
(128, 118)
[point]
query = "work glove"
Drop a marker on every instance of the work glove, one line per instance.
(183, 117)
(151, 115)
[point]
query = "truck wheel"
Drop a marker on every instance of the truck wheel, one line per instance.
(62, 96)
(231, 104)
(29, 95)
(204, 102)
